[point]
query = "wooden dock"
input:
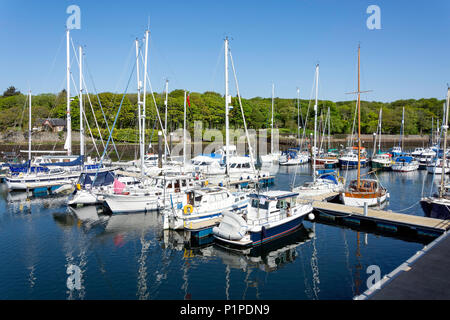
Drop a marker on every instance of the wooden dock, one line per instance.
(422, 277)
(386, 220)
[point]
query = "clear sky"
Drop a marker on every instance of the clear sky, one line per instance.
(272, 41)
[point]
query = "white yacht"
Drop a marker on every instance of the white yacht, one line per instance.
(154, 194)
(203, 208)
(270, 215)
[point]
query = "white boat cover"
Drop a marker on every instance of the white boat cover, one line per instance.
(232, 227)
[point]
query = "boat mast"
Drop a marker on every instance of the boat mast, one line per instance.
(315, 122)
(69, 119)
(145, 96)
(298, 116)
(227, 101)
(379, 129)
(403, 127)
(329, 129)
(271, 132)
(444, 127)
(29, 128)
(359, 120)
(139, 103)
(184, 131)
(165, 116)
(81, 103)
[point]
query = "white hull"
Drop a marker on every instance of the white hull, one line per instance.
(119, 203)
(437, 170)
(359, 202)
(33, 182)
(405, 168)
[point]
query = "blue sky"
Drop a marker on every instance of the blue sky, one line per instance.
(272, 41)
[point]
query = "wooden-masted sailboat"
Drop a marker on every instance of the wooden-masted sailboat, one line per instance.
(362, 191)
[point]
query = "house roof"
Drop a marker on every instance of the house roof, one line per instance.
(55, 122)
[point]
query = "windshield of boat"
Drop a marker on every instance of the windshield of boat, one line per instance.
(257, 204)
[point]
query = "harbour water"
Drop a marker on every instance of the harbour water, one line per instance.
(130, 256)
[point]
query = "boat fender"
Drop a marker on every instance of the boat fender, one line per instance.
(263, 232)
(78, 186)
(188, 209)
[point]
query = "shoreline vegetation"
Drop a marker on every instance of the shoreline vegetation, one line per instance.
(420, 115)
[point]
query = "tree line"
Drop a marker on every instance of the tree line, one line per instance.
(208, 107)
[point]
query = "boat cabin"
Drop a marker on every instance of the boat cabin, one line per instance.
(176, 183)
(365, 185)
(270, 206)
(211, 198)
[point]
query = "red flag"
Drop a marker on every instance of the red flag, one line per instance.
(189, 102)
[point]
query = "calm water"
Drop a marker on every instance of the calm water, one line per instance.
(130, 257)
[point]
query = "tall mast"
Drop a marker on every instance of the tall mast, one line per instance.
(379, 129)
(184, 131)
(165, 116)
(139, 106)
(69, 118)
(403, 127)
(444, 127)
(329, 129)
(29, 128)
(145, 93)
(227, 101)
(298, 115)
(271, 132)
(315, 122)
(359, 121)
(81, 103)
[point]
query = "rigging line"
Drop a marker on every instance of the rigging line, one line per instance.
(157, 112)
(304, 129)
(114, 124)
(101, 107)
(54, 59)
(211, 85)
(90, 104)
(243, 116)
(92, 137)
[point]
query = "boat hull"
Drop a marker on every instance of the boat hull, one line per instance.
(272, 233)
(358, 200)
(436, 209)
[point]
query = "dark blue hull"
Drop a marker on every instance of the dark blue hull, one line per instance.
(351, 164)
(270, 234)
(435, 210)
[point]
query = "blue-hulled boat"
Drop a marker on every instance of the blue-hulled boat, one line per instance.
(271, 215)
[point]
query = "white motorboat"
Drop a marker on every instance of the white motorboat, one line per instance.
(270, 215)
(203, 208)
(405, 164)
(326, 181)
(155, 195)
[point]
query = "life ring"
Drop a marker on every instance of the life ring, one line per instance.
(188, 207)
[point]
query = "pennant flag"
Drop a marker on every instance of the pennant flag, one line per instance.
(188, 101)
(118, 186)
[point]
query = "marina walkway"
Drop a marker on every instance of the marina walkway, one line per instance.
(383, 219)
(424, 276)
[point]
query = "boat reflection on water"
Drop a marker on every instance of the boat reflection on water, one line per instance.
(268, 257)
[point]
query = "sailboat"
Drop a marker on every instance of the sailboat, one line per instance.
(46, 177)
(272, 156)
(324, 181)
(438, 205)
(380, 160)
(363, 191)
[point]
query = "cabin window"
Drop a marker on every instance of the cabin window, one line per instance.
(246, 165)
(183, 183)
(257, 204)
